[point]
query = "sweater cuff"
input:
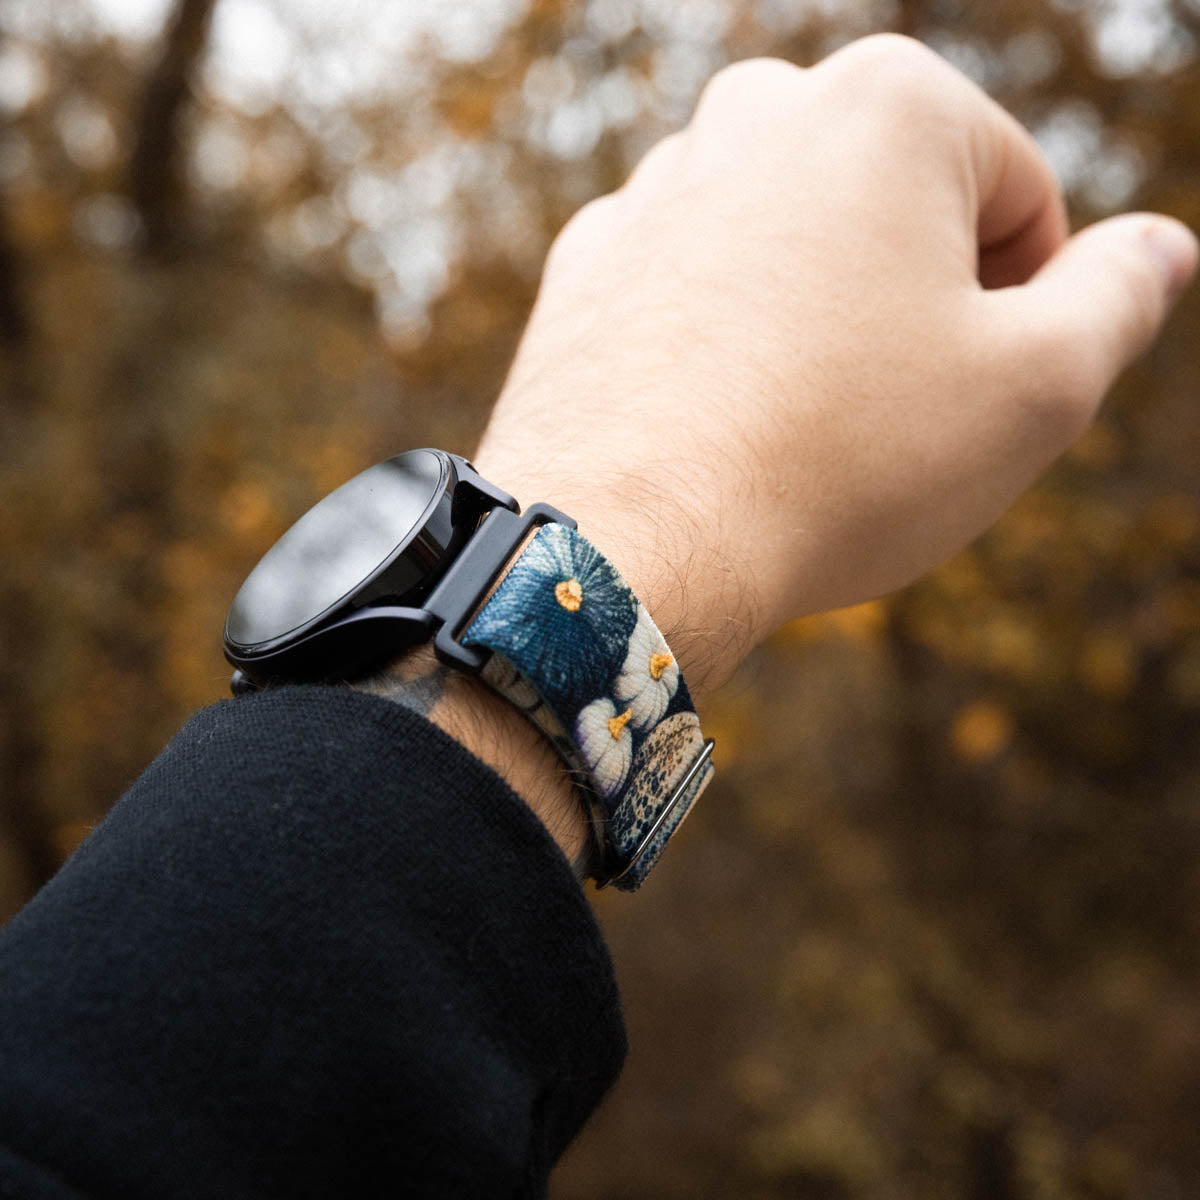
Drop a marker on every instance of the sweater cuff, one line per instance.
(317, 940)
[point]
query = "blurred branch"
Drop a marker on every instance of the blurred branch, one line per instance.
(910, 17)
(14, 321)
(155, 176)
(1184, 13)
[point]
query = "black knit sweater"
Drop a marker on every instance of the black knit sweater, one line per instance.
(317, 950)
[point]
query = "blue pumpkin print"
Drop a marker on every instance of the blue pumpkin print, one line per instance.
(564, 617)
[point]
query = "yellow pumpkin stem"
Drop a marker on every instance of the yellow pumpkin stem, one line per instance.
(616, 724)
(569, 593)
(658, 664)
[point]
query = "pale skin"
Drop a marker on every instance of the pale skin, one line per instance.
(820, 340)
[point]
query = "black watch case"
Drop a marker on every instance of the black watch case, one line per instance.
(404, 551)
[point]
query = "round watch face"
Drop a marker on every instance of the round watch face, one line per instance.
(378, 524)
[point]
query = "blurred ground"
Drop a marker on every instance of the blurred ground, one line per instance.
(933, 931)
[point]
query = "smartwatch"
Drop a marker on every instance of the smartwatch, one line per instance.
(411, 550)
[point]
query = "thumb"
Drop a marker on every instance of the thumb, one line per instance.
(1100, 301)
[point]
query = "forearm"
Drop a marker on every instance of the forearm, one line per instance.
(316, 945)
(498, 735)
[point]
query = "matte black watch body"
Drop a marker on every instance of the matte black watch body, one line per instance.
(402, 552)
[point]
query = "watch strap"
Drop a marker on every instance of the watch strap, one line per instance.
(573, 648)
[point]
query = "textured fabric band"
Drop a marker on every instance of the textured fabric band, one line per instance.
(578, 654)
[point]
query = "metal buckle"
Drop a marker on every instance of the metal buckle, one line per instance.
(462, 589)
(680, 791)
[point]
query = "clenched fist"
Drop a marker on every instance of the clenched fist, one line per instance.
(819, 341)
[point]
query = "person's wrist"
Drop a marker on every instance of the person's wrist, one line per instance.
(666, 550)
(498, 735)
(655, 552)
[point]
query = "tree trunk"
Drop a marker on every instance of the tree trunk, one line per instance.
(14, 321)
(156, 184)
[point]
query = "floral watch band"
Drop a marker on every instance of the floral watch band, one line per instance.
(577, 653)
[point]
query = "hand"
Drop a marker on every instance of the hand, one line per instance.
(820, 340)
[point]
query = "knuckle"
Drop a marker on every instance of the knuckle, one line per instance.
(1040, 371)
(1065, 387)
(898, 70)
(886, 52)
(748, 79)
(660, 159)
(585, 229)
(1144, 304)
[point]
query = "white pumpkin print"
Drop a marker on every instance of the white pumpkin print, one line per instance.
(650, 675)
(606, 744)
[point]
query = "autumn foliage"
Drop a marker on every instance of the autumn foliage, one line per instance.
(934, 932)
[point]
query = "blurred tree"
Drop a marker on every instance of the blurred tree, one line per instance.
(156, 183)
(14, 324)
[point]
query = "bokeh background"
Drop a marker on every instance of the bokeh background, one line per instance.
(934, 930)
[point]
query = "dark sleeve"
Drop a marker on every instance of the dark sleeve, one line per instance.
(317, 950)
